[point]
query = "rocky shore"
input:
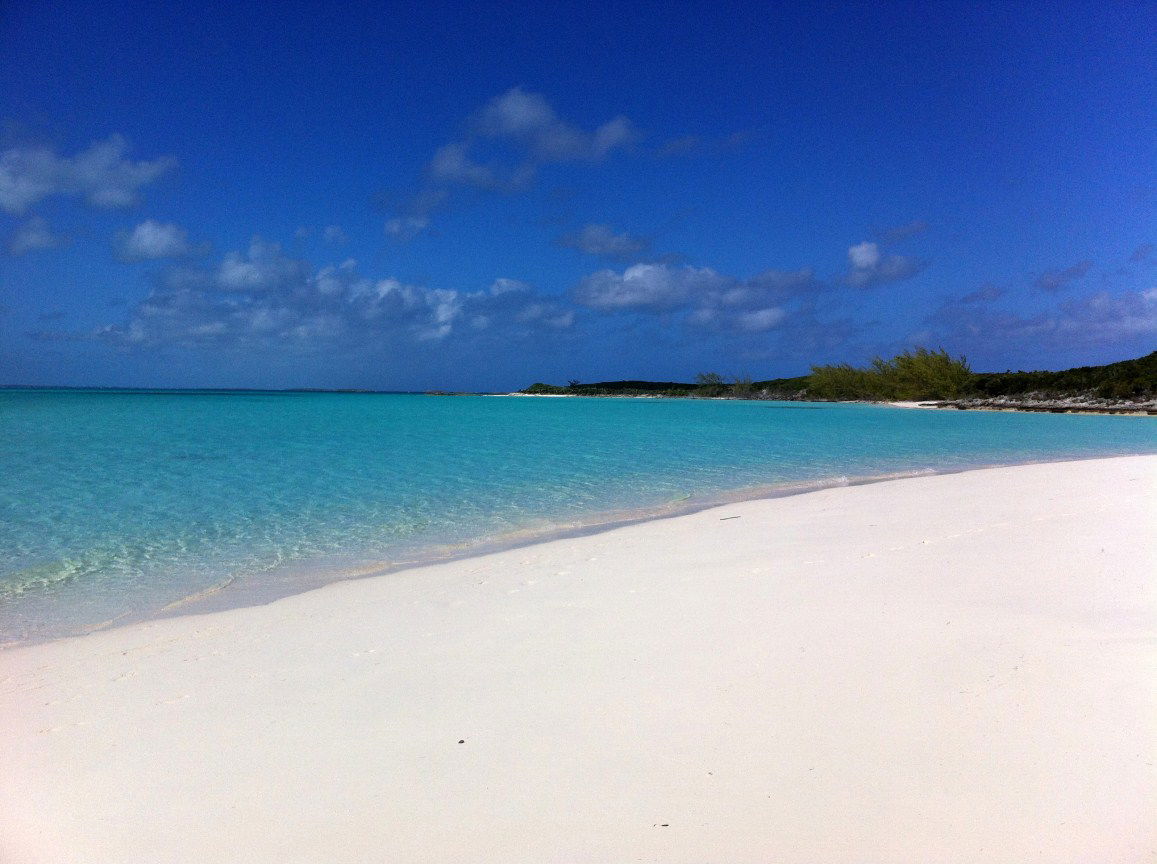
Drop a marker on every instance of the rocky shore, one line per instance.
(1080, 404)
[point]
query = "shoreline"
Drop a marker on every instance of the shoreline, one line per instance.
(236, 592)
(1058, 406)
(950, 667)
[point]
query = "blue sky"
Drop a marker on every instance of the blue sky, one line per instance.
(414, 196)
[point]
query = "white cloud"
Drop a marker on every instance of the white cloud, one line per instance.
(501, 285)
(261, 296)
(528, 119)
(653, 286)
(1106, 317)
(101, 175)
(406, 227)
(452, 164)
(545, 313)
(754, 305)
(611, 136)
(525, 129)
(1103, 318)
(152, 240)
(601, 240)
(864, 255)
(334, 281)
(705, 316)
(33, 235)
(872, 266)
(760, 320)
(708, 298)
(262, 268)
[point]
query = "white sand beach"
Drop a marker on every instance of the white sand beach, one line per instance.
(953, 668)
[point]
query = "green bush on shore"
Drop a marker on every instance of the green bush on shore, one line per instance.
(1126, 379)
(912, 375)
(539, 389)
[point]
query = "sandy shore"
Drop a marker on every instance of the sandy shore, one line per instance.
(952, 668)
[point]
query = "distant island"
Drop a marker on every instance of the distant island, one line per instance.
(932, 377)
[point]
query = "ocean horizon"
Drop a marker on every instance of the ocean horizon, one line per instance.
(120, 505)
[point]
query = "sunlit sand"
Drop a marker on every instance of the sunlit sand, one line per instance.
(953, 668)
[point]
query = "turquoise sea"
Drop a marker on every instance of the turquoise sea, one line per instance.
(116, 505)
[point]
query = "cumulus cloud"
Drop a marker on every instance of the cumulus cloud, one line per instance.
(405, 228)
(865, 256)
(647, 286)
(502, 285)
(1053, 281)
(334, 235)
(32, 235)
(708, 298)
(602, 241)
(262, 297)
(503, 146)
(1103, 318)
(763, 302)
(546, 313)
(759, 320)
(765, 288)
(529, 120)
(263, 268)
(152, 240)
(452, 164)
(871, 265)
(101, 175)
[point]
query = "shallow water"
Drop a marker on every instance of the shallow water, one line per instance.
(117, 504)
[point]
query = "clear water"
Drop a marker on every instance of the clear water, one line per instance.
(114, 505)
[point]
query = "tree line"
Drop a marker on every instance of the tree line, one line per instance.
(920, 374)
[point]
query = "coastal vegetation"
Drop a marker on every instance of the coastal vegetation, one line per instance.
(911, 375)
(1128, 379)
(920, 374)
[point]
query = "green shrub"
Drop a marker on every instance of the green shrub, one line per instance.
(912, 375)
(1126, 379)
(539, 389)
(710, 384)
(843, 381)
(741, 387)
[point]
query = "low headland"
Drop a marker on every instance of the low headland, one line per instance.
(932, 378)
